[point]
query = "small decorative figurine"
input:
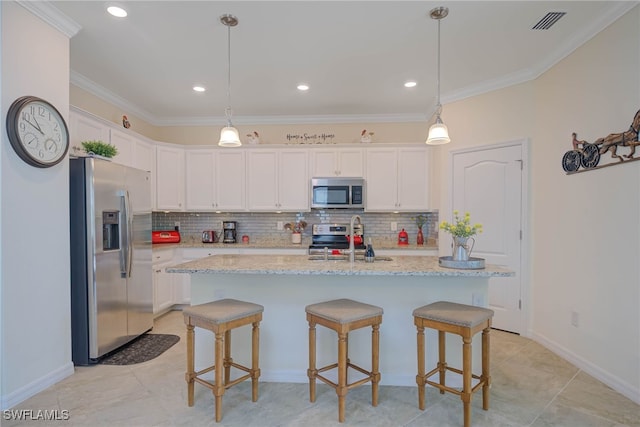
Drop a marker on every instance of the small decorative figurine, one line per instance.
(125, 122)
(253, 138)
(365, 137)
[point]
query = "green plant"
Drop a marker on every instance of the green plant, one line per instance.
(99, 148)
(420, 220)
(462, 226)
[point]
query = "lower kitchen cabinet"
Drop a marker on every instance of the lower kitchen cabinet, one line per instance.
(169, 289)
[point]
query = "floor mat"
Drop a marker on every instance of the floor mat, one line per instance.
(142, 349)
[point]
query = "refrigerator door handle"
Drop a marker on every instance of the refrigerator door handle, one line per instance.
(124, 234)
(129, 233)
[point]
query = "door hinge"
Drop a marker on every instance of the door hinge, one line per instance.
(519, 304)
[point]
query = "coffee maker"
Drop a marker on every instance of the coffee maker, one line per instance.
(229, 229)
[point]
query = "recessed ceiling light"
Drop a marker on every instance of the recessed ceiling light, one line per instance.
(117, 11)
(410, 84)
(303, 87)
(199, 89)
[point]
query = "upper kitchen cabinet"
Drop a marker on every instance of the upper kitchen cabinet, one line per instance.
(337, 162)
(125, 144)
(278, 180)
(169, 178)
(397, 179)
(215, 179)
(83, 127)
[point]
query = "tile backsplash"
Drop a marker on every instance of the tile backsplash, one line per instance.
(259, 225)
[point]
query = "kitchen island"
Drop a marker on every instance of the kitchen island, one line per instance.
(285, 284)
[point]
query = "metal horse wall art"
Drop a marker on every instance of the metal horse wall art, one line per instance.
(588, 156)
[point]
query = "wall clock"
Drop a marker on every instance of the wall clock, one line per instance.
(37, 132)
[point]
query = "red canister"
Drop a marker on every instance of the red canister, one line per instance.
(403, 238)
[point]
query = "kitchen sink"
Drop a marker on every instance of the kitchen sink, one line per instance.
(344, 258)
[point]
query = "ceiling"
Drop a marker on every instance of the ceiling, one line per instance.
(355, 56)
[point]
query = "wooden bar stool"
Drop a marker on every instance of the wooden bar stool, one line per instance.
(343, 316)
(463, 320)
(221, 317)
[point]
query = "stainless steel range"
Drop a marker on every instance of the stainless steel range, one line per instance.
(335, 237)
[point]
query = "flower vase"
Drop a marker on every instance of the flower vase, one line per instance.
(296, 238)
(461, 249)
(420, 238)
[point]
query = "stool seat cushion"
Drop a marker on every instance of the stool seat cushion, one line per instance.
(343, 310)
(453, 313)
(222, 311)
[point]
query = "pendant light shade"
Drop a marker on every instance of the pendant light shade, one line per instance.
(229, 136)
(438, 132)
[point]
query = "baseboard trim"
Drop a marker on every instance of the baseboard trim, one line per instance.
(595, 371)
(23, 393)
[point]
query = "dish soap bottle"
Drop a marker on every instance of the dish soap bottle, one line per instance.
(369, 255)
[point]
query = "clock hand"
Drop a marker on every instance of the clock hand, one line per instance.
(34, 126)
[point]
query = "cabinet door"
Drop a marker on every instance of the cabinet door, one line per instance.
(324, 163)
(350, 162)
(199, 179)
(413, 179)
(263, 180)
(293, 181)
(162, 288)
(382, 179)
(125, 143)
(230, 180)
(144, 157)
(84, 128)
(170, 178)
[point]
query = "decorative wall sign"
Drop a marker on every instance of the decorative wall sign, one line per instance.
(308, 138)
(588, 156)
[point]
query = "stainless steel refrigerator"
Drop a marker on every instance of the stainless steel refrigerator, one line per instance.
(111, 278)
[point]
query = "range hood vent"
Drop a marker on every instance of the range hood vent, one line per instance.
(548, 20)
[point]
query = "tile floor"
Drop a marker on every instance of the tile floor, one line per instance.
(531, 387)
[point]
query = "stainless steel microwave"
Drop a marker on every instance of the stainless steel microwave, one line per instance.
(337, 193)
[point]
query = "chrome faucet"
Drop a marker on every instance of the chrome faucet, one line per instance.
(352, 249)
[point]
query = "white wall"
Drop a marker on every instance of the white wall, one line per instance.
(584, 228)
(35, 333)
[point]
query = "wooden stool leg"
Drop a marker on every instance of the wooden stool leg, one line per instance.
(442, 362)
(466, 380)
(190, 375)
(341, 390)
(255, 355)
(420, 380)
(486, 376)
(375, 361)
(312, 372)
(218, 390)
(227, 357)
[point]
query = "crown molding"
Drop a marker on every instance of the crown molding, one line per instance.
(52, 16)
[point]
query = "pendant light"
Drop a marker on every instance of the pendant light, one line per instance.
(229, 136)
(438, 132)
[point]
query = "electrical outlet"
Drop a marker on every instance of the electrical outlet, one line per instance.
(575, 319)
(280, 225)
(177, 225)
(394, 226)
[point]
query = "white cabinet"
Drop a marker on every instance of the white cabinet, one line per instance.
(125, 144)
(337, 162)
(215, 180)
(83, 127)
(163, 282)
(169, 178)
(278, 180)
(144, 157)
(397, 179)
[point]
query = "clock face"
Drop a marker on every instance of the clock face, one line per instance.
(37, 131)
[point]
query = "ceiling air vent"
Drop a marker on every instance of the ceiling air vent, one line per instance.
(548, 20)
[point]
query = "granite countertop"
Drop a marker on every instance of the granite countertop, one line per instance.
(279, 243)
(401, 265)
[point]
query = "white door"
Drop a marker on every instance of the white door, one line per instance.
(487, 183)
